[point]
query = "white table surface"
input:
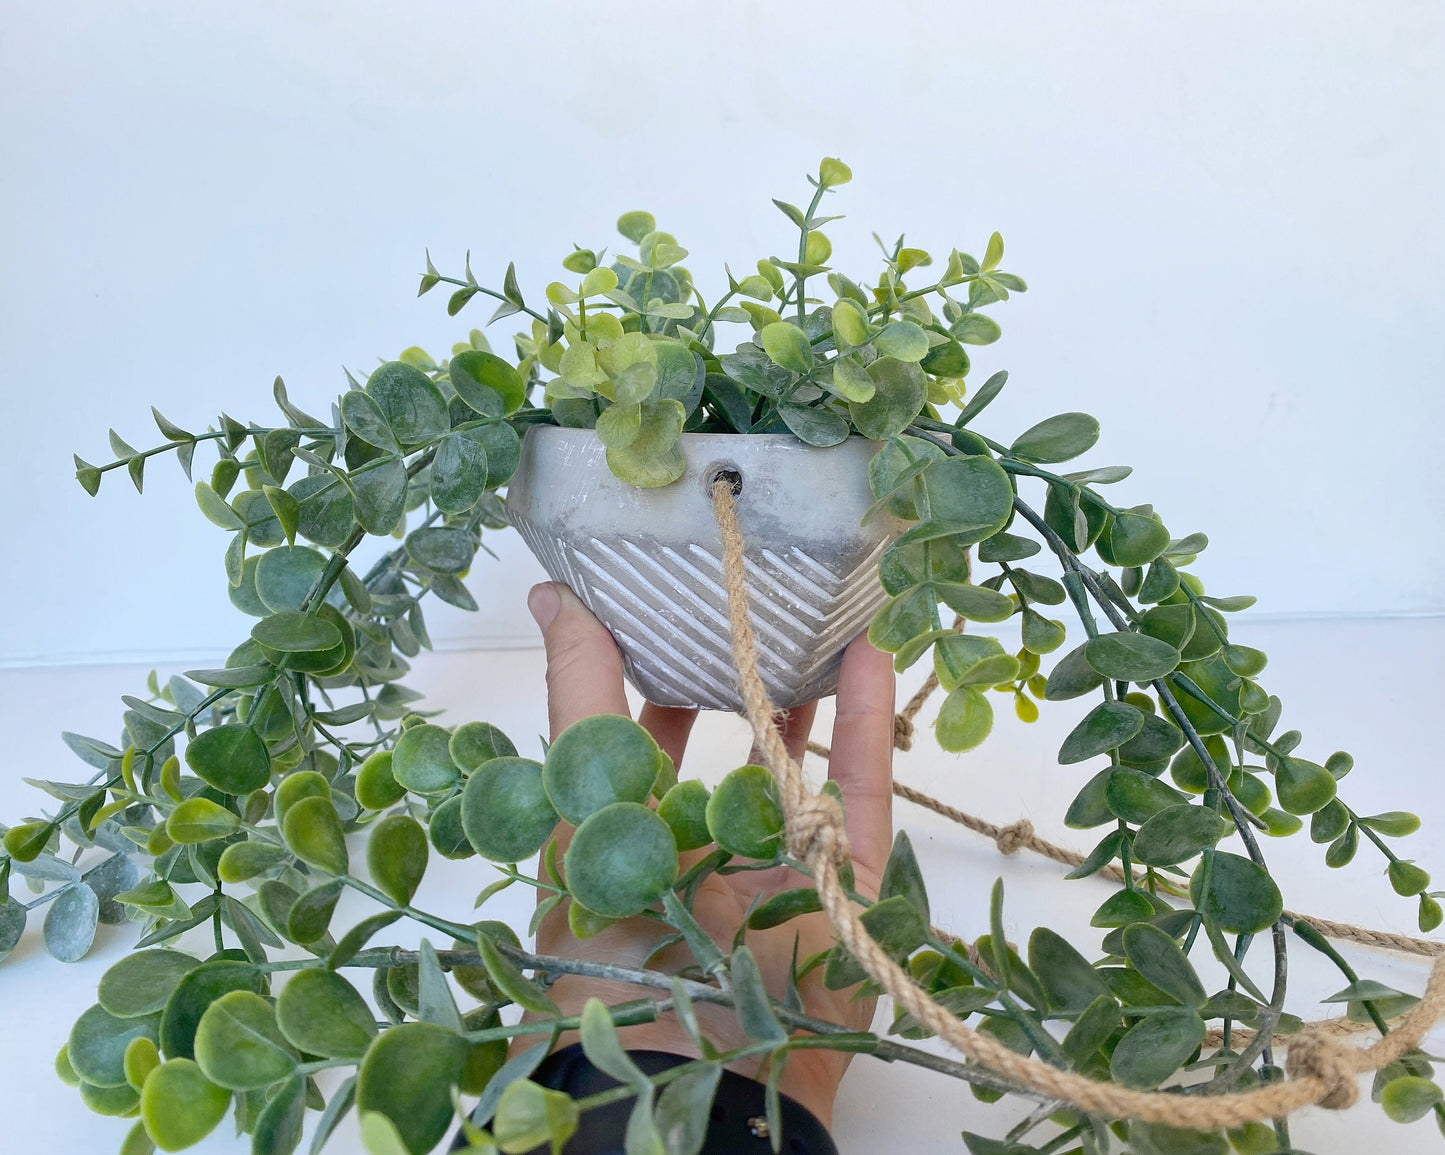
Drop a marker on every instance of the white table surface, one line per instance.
(1371, 687)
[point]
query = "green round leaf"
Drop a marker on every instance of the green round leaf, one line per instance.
(1155, 955)
(411, 403)
(1128, 657)
(447, 834)
(142, 983)
(653, 458)
(407, 1075)
(442, 549)
(1177, 833)
(310, 914)
(365, 419)
(378, 491)
(1134, 539)
(531, 1116)
(321, 1013)
(745, 813)
(506, 812)
(180, 1106)
(421, 761)
(1406, 878)
(312, 830)
(1241, 899)
(458, 473)
(245, 860)
(684, 809)
(376, 788)
(244, 596)
(396, 855)
(232, 758)
(110, 1101)
(327, 514)
(278, 1127)
(141, 1058)
(487, 383)
(787, 345)
(969, 495)
(1409, 1098)
(1136, 797)
(1107, 726)
(1122, 908)
(285, 575)
(200, 820)
(503, 448)
(1303, 787)
(1155, 1047)
(294, 632)
(899, 394)
(1157, 739)
(598, 761)
(238, 1045)
(476, 742)
(1059, 438)
(964, 720)
(849, 323)
(1066, 976)
(814, 426)
(296, 786)
(621, 860)
(905, 340)
(97, 1043)
(70, 923)
(196, 991)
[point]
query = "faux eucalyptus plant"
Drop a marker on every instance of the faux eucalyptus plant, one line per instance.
(236, 804)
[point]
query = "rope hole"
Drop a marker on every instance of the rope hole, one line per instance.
(724, 471)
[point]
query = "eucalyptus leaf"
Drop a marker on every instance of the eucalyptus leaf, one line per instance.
(621, 859)
(506, 812)
(70, 923)
(320, 1013)
(180, 1106)
(407, 1075)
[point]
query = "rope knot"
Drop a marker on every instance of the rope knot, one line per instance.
(1314, 1055)
(1014, 838)
(815, 829)
(902, 732)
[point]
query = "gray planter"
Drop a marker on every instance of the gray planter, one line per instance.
(648, 562)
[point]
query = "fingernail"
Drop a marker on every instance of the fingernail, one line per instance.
(544, 603)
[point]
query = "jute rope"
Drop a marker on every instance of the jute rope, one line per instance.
(1321, 1069)
(1020, 836)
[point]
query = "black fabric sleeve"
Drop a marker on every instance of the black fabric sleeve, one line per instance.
(738, 1125)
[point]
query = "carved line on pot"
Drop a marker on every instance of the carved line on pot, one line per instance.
(638, 581)
(651, 642)
(712, 646)
(711, 610)
(666, 602)
(702, 605)
(756, 576)
(803, 580)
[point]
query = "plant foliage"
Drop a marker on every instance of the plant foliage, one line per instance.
(235, 804)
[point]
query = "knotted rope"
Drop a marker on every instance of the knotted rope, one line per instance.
(1322, 1070)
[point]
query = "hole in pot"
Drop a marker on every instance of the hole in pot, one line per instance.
(728, 473)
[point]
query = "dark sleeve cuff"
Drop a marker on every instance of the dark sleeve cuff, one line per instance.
(739, 1115)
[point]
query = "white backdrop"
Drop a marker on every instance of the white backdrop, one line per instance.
(1229, 214)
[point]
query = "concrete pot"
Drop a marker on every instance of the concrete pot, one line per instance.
(648, 562)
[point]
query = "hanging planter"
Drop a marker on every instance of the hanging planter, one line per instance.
(828, 472)
(648, 562)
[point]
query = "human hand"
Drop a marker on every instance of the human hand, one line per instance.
(584, 677)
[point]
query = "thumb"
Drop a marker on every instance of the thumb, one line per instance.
(584, 669)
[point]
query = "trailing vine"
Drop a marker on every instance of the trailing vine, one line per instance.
(223, 819)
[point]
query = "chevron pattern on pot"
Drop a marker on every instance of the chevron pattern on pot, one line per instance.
(667, 607)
